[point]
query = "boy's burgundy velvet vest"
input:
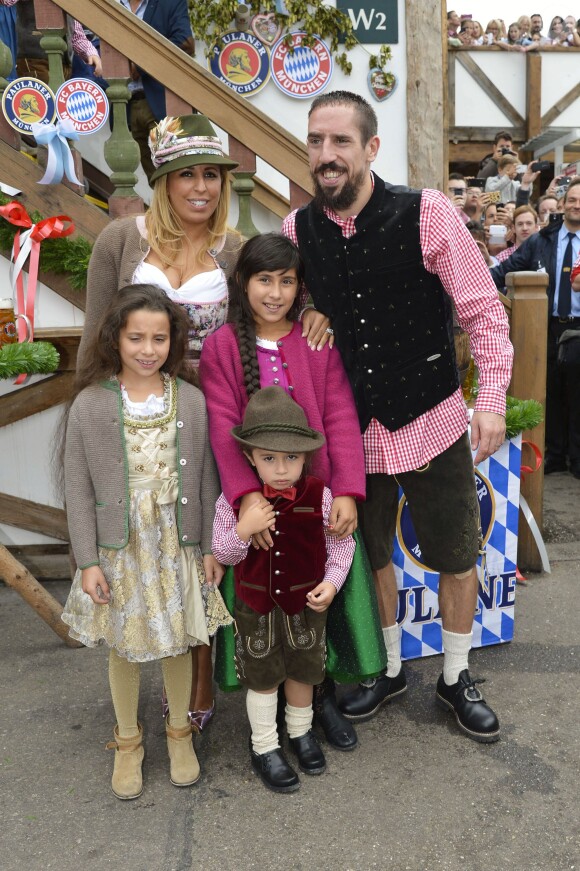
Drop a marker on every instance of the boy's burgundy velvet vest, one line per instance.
(295, 565)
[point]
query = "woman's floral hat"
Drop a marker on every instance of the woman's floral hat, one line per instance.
(188, 140)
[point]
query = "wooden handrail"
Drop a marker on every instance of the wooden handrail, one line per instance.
(185, 77)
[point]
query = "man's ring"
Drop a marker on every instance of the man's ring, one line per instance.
(330, 331)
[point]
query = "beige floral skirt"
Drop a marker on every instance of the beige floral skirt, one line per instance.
(160, 604)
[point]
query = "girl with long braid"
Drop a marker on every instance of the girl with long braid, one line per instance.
(262, 346)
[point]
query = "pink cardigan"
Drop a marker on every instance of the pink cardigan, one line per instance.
(321, 388)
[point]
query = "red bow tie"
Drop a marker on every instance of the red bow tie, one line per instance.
(270, 493)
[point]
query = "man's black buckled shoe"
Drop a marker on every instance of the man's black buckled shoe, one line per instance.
(339, 733)
(473, 716)
(310, 756)
(275, 771)
(363, 702)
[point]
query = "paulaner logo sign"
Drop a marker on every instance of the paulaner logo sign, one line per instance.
(240, 60)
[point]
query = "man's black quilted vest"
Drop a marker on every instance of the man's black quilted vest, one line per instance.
(392, 319)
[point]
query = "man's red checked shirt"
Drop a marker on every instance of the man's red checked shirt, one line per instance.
(449, 252)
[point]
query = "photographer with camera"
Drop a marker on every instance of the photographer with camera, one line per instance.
(456, 192)
(502, 144)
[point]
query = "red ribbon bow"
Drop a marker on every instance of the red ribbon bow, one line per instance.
(22, 249)
(271, 493)
(537, 454)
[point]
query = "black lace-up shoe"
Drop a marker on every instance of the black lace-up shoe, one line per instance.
(363, 702)
(473, 716)
(310, 756)
(275, 771)
(339, 733)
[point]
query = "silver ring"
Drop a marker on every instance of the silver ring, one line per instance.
(330, 331)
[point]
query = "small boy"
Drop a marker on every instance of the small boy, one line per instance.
(282, 594)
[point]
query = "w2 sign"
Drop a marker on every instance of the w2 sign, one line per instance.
(374, 22)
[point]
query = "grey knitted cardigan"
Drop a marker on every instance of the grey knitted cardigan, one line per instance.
(96, 472)
(117, 253)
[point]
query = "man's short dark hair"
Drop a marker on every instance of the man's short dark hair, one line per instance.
(574, 183)
(503, 134)
(367, 119)
(456, 176)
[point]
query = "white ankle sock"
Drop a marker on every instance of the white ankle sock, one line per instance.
(298, 720)
(455, 654)
(392, 636)
(261, 708)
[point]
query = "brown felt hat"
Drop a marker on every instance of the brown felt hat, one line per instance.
(188, 140)
(274, 422)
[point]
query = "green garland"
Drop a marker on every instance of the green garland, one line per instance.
(64, 256)
(28, 358)
(521, 414)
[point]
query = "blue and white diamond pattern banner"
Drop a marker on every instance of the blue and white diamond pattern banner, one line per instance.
(498, 489)
(298, 70)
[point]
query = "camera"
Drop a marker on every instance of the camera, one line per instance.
(540, 165)
(506, 150)
(555, 218)
(476, 183)
(457, 192)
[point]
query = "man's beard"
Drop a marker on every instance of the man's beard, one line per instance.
(338, 200)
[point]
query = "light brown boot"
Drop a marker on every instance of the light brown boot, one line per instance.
(183, 764)
(127, 781)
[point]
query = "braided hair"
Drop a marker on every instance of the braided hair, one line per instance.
(266, 253)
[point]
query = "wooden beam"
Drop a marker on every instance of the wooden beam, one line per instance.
(484, 134)
(46, 606)
(34, 398)
(60, 285)
(50, 200)
(528, 330)
(66, 341)
(451, 94)
(425, 96)
(33, 516)
(492, 91)
(270, 199)
(533, 94)
(562, 104)
(194, 84)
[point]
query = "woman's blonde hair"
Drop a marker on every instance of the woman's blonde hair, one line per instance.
(165, 231)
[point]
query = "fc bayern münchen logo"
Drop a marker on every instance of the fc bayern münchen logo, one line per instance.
(240, 61)
(84, 103)
(27, 101)
(406, 532)
(298, 70)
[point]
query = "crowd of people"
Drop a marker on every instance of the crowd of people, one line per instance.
(525, 34)
(515, 230)
(317, 402)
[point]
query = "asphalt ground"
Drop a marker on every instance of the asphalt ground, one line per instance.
(416, 795)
